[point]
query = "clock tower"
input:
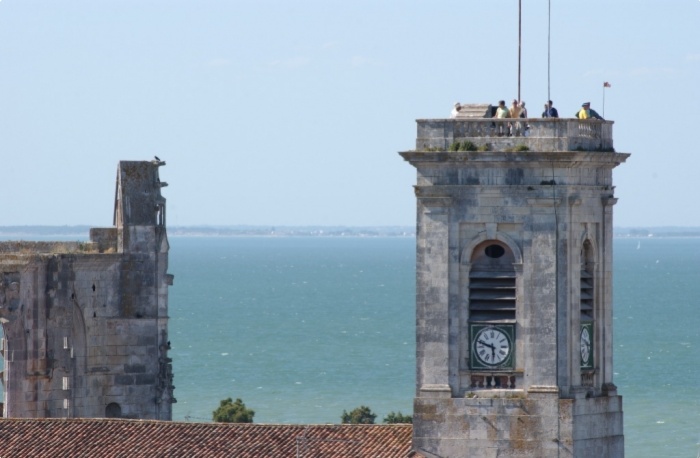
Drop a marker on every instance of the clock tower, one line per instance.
(514, 288)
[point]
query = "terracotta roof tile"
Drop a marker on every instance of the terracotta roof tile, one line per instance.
(83, 437)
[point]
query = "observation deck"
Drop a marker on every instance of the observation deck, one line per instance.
(514, 134)
(474, 148)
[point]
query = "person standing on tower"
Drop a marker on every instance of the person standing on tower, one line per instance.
(523, 110)
(523, 114)
(502, 110)
(549, 110)
(587, 113)
(501, 113)
(514, 109)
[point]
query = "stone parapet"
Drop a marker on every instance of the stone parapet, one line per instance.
(536, 134)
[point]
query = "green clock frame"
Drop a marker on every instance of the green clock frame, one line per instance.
(586, 338)
(508, 361)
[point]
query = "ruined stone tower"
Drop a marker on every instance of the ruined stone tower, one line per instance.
(85, 325)
(514, 289)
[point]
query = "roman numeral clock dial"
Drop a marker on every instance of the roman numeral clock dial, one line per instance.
(587, 346)
(492, 347)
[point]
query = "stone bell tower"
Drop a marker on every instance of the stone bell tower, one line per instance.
(514, 289)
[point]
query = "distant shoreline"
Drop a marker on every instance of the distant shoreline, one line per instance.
(82, 232)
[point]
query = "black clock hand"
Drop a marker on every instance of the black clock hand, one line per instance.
(487, 345)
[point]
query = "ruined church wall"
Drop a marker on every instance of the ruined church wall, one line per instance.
(85, 323)
(91, 335)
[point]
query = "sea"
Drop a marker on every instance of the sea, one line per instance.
(304, 328)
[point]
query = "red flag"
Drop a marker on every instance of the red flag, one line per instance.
(606, 84)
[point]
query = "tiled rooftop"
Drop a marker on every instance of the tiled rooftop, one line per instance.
(84, 437)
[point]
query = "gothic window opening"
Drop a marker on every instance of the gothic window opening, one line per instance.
(587, 306)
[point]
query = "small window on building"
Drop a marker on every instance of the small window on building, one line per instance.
(113, 410)
(494, 251)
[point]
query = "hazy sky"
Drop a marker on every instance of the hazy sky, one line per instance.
(292, 112)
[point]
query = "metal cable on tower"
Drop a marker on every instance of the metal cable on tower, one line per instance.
(549, 52)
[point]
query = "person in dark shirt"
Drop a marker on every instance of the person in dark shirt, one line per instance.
(549, 110)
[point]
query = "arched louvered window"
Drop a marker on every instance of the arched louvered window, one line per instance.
(492, 283)
(586, 283)
(587, 308)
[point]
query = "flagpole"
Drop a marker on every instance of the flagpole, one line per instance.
(605, 85)
(603, 99)
(519, 42)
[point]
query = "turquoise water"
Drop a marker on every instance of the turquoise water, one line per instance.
(303, 328)
(299, 328)
(657, 339)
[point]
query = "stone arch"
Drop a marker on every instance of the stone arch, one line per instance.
(466, 254)
(14, 333)
(78, 353)
(586, 238)
(79, 335)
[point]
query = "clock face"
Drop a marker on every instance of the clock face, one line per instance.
(492, 347)
(587, 346)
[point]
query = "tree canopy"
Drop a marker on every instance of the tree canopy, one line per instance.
(233, 412)
(359, 416)
(397, 417)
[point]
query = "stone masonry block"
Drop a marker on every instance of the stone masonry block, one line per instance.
(144, 379)
(124, 379)
(134, 368)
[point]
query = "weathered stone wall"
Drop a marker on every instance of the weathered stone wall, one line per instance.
(85, 325)
(545, 427)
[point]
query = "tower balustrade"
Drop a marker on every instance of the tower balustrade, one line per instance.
(536, 134)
